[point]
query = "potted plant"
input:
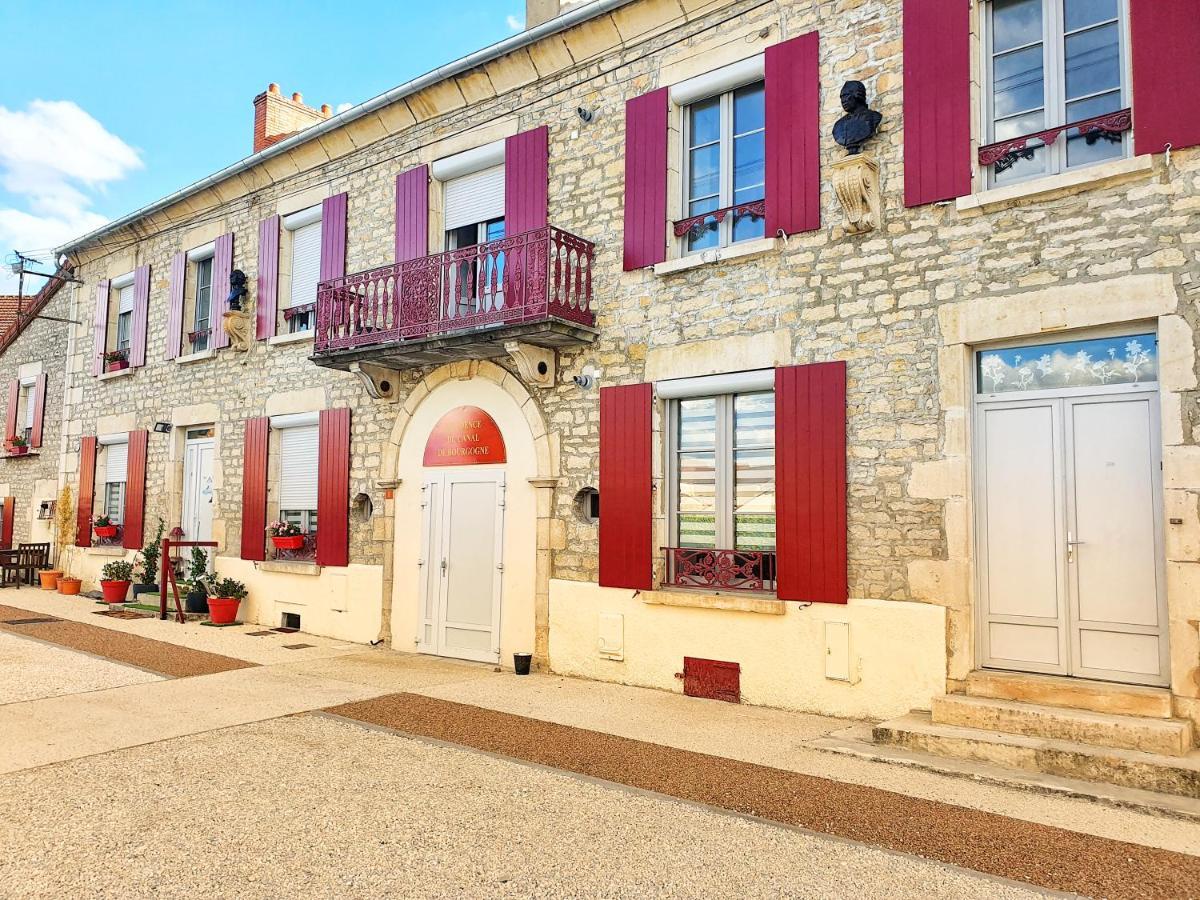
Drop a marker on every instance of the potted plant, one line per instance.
(148, 558)
(115, 579)
(64, 524)
(223, 601)
(286, 535)
(17, 445)
(116, 360)
(49, 578)
(104, 527)
(69, 585)
(197, 595)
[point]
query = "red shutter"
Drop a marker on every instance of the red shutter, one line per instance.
(6, 529)
(645, 180)
(793, 135)
(141, 309)
(14, 401)
(526, 180)
(39, 410)
(222, 267)
(1166, 74)
(100, 327)
(87, 490)
(254, 489)
(333, 488)
(267, 309)
(626, 511)
(135, 491)
(937, 100)
(810, 482)
(412, 214)
(333, 236)
(175, 305)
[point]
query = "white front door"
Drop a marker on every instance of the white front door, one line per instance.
(462, 528)
(1069, 534)
(198, 489)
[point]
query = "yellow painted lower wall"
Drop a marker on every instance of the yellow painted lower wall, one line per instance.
(897, 651)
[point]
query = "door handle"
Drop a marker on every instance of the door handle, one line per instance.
(443, 564)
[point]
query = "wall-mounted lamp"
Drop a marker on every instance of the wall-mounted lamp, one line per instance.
(162, 427)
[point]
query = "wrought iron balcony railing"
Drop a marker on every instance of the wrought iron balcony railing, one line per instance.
(720, 570)
(541, 274)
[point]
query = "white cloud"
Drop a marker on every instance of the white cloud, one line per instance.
(514, 23)
(54, 158)
(342, 107)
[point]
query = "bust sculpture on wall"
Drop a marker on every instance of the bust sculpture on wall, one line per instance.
(860, 122)
(856, 176)
(237, 320)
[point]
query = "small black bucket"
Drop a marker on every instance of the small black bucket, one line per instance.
(521, 663)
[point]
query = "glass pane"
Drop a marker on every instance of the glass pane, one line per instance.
(754, 420)
(697, 500)
(1085, 149)
(748, 109)
(1017, 82)
(1116, 360)
(698, 424)
(1007, 129)
(1093, 61)
(747, 227)
(704, 171)
(1080, 13)
(705, 122)
(754, 500)
(748, 166)
(494, 230)
(1015, 23)
(1020, 168)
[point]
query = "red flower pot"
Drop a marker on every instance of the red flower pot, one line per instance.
(116, 365)
(288, 542)
(114, 591)
(18, 450)
(222, 610)
(106, 531)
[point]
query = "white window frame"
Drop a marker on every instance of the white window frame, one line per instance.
(201, 342)
(307, 518)
(25, 404)
(293, 223)
(1054, 98)
(124, 316)
(117, 514)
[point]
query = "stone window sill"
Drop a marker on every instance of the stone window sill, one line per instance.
(120, 373)
(20, 455)
(290, 566)
(1053, 186)
(105, 551)
(196, 357)
(709, 257)
(750, 603)
(295, 338)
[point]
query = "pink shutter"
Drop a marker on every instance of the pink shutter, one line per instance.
(87, 491)
(333, 237)
(526, 180)
(14, 401)
(626, 511)
(141, 309)
(267, 309)
(810, 482)
(333, 488)
(937, 100)
(135, 491)
(793, 135)
(645, 180)
(6, 528)
(254, 489)
(100, 327)
(175, 305)
(39, 410)
(1164, 37)
(412, 214)
(222, 267)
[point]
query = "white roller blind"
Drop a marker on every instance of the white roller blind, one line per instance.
(126, 299)
(298, 467)
(28, 391)
(306, 263)
(116, 463)
(478, 197)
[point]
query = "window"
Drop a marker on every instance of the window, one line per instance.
(116, 464)
(474, 216)
(124, 317)
(1050, 64)
(724, 168)
(300, 311)
(26, 403)
(298, 476)
(201, 324)
(1094, 362)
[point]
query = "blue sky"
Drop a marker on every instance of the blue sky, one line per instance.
(106, 105)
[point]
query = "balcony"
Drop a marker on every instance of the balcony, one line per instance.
(533, 288)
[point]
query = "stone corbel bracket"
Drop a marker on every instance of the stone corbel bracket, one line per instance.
(536, 365)
(381, 382)
(856, 186)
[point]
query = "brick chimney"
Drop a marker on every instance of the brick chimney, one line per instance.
(276, 117)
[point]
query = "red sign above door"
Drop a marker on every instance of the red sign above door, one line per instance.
(466, 436)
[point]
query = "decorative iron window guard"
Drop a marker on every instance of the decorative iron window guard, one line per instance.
(756, 209)
(724, 570)
(194, 336)
(1004, 154)
(307, 553)
(302, 309)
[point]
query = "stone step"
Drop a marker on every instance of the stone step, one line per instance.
(1172, 737)
(1178, 775)
(1074, 693)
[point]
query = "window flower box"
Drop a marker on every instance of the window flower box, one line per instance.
(288, 541)
(116, 360)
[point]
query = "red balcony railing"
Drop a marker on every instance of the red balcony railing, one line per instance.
(539, 274)
(720, 570)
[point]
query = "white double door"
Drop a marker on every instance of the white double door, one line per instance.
(198, 489)
(461, 563)
(1069, 536)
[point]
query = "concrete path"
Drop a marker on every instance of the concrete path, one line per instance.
(30, 670)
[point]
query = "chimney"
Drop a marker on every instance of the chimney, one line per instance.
(276, 117)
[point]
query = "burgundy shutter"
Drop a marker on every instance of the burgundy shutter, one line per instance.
(14, 401)
(526, 177)
(87, 490)
(141, 309)
(333, 488)
(412, 214)
(100, 327)
(645, 180)
(333, 237)
(937, 100)
(39, 410)
(6, 530)
(626, 514)
(175, 305)
(254, 489)
(222, 267)
(135, 491)
(793, 135)
(810, 482)
(1166, 74)
(268, 278)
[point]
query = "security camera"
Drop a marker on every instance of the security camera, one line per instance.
(584, 381)
(585, 115)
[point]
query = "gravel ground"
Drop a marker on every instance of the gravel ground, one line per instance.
(1054, 858)
(30, 670)
(167, 659)
(316, 807)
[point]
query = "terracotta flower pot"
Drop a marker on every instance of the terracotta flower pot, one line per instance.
(222, 610)
(114, 591)
(106, 531)
(69, 586)
(288, 542)
(49, 578)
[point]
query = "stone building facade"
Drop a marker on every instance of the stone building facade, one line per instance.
(907, 306)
